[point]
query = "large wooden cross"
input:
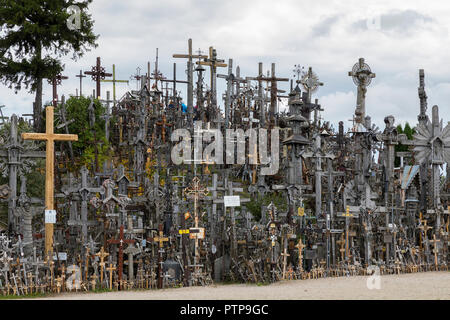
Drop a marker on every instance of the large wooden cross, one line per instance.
(114, 80)
(81, 76)
(98, 73)
(160, 239)
(50, 138)
(190, 93)
(120, 242)
(213, 64)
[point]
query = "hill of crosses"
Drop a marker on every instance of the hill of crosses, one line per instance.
(151, 191)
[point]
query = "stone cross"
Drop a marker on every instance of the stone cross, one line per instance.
(362, 77)
(17, 158)
(50, 139)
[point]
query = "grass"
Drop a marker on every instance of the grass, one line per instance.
(27, 296)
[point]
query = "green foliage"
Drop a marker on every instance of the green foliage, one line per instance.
(400, 147)
(254, 206)
(90, 139)
(33, 33)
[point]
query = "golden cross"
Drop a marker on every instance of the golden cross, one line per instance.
(161, 239)
(50, 137)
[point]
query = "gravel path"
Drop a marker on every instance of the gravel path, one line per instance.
(429, 285)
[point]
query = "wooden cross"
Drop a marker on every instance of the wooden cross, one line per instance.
(50, 138)
(157, 75)
(161, 239)
(341, 243)
(435, 241)
(285, 255)
(174, 81)
(102, 254)
(56, 81)
(137, 77)
(81, 76)
(163, 124)
(114, 80)
(190, 80)
(120, 242)
(300, 247)
(98, 73)
(110, 269)
(213, 64)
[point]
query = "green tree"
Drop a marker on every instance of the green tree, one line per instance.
(91, 141)
(34, 37)
(400, 147)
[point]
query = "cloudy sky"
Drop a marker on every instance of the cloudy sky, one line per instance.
(396, 39)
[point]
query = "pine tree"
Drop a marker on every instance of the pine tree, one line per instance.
(34, 37)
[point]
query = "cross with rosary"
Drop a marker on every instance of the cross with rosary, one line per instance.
(50, 138)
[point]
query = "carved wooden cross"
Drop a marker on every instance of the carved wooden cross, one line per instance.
(213, 64)
(161, 239)
(120, 242)
(163, 124)
(435, 241)
(300, 247)
(102, 254)
(98, 73)
(50, 138)
(285, 255)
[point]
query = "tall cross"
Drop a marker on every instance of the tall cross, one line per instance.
(81, 76)
(157, 75)
(160, 239)
(196, 191)
(310, 82)
(174, 81)
(273, 93)
(50, 137)
(229, 77)
(120, 242)
(55, 82)
(114, 80)
(137, 77)
(362, 76)
(260, 99)
(213, 64)
(102, 254)
(190, 93)
(98, 73)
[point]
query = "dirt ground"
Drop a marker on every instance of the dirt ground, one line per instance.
(430, 286)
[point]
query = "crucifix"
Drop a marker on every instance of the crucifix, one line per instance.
(114, 80)
(98, 73)
(81, 76)
(50, 139)
(213, 64)
(362, 77)
(160, 239)
(120, 241)
(56, 81)
(102, 254)
(190, 80)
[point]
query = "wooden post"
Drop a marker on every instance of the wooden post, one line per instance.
(50, 138)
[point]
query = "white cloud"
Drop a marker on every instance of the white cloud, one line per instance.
(318, 34)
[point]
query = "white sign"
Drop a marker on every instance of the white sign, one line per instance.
(61, 256)
(50, 216)
(232, 201)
